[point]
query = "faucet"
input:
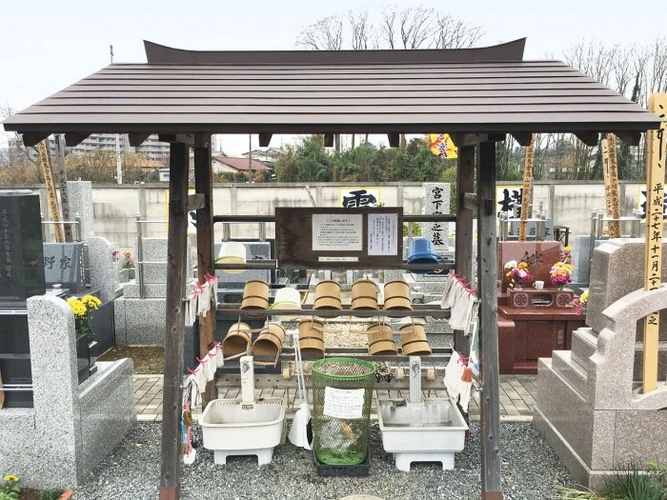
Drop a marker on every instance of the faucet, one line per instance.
(415, 380)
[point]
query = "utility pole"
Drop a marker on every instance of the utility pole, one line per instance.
(119, 169)
(250, 157)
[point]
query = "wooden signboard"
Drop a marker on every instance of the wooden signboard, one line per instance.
(655, 170)
(339, 238)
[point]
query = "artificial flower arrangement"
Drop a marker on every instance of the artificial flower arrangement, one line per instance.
(518, 274)
(580, 303)
(128, 262)
(561, 273)
(84, 309)
(567, 255)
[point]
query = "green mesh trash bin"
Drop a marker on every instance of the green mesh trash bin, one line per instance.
(342, 397)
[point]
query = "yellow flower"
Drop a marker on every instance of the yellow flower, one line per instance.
(584, 297)
(10, 477)
(91, 301)
(78, 307)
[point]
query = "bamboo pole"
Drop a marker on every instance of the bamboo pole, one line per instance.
(655, 170)
(527, 181)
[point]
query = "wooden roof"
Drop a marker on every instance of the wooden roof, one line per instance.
(488, 90)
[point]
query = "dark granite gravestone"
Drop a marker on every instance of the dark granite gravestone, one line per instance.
(21, 253)
(64, 264)
(15, 356)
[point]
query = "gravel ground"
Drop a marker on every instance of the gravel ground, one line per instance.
(132, 471)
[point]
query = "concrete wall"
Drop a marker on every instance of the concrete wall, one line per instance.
(568, 203)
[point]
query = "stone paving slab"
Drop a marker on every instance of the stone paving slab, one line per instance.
(517, 398)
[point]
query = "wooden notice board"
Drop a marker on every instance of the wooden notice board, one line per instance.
(339, 237)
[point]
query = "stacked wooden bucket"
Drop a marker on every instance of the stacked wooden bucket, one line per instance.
(397, 295)
(327, 295)
(364, 295)
(413, 339)
(381, 339)
(311, 338)
(255, 297)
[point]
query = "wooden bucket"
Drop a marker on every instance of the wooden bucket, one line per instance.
(382, 347)
(397, 295)
(413, 340)
(327, 288)
(311, 338)
(237, 339)
(381, 339)
(364, 303)
(255, 295)
(327, 302)
(269, 342)
(412, 332)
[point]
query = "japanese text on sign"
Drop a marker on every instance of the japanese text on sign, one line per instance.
(6, 245)
(343, 403)
(337, 232)
(382, 234)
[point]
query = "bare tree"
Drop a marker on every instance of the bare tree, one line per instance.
(454, 33)
(325, 34)
(361, 30)
(411, 28)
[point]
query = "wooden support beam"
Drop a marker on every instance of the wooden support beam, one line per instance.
(31, 139)
(205, 255)
(191, 140)
(72, 139)
(461, 140)
(488, 342)
(137, 139)
(588, 138)
(328, 140)
(630, 138)
(523, 138)
(264, 139)
(196, 201)
(177, 238)
(470, 203)
(394, 139)
(465, 183)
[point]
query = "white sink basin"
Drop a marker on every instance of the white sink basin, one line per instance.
(231, 427)
(431, 431)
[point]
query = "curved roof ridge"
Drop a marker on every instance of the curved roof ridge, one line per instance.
(161, 54)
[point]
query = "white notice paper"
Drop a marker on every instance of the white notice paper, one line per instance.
(337, 232)
(382, 234)
(343, 403)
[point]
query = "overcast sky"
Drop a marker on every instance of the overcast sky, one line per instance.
(48, 45)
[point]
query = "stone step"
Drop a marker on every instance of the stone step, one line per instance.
(151, 290)
(570, 371)
(584, 345)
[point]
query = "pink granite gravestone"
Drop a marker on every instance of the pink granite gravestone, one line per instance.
(540, 255)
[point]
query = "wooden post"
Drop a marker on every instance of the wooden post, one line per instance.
(205, 257)
(463, 257)
(655, 185)
(525, 193)
(610, 170)
(45, 165)
(61, 179)
(488, 340)
(175, 325)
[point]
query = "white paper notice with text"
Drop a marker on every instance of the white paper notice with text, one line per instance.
(382, 234)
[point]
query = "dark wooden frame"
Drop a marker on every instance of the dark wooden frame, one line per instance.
(473, 129)
(294, 237)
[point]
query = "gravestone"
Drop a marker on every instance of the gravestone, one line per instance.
(540, 256)
(436, 201)
(21, 253)
(64, 264)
